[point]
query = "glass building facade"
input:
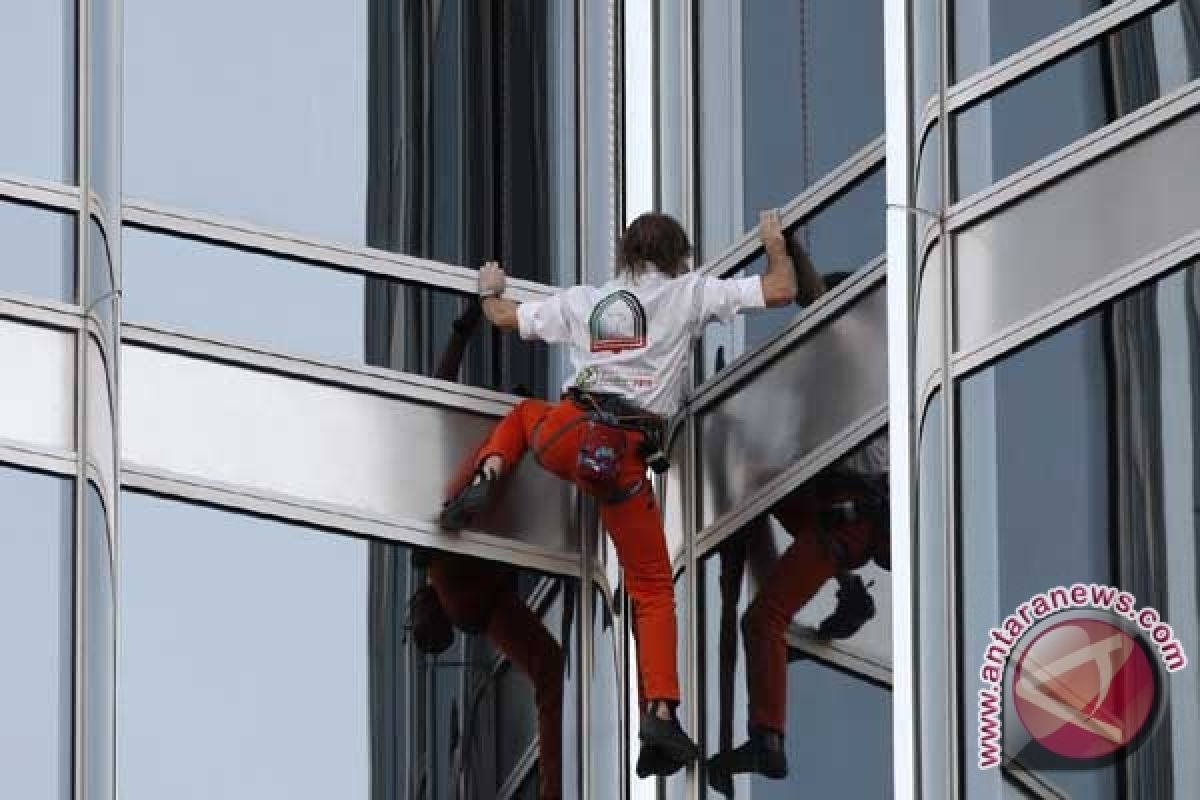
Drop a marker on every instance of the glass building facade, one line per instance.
(240, 359)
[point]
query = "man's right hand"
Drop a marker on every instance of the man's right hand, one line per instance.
(770, 231)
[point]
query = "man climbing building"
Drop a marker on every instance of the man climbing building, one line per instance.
(628, 341)
(838, 521)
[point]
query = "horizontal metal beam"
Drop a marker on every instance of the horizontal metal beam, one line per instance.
(771, 493)
(1045, 51)
(41, 311)
(1174, 255)
(827, 307)
(363, 260)
(804, 205)
(1081, 153)
(20, 454)
(837, 655)
(291, 509)
(55, 195)
(376, 380)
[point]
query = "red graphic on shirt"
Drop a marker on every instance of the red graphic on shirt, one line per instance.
(618, 323)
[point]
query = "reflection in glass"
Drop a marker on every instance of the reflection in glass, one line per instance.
(812, 93)
(36, 602)
(1080, 448)
(37, 87)
(808, 725)
(101, 299)
(39, 251)
(307, 310)
(605, 735)
(104, 103)
(988, 31)
(99, 632)
(432, 129)
(1115, 76)
(300, 678)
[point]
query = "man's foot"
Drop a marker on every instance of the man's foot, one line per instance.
(762, 754)
(470, 502)
(666, 735)
(855, 607)
(653, 761)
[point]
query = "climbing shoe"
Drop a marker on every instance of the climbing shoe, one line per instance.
(755, 755)
(855, 607)
(465, 507)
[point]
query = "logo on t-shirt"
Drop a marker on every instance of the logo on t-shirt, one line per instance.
(618, 323)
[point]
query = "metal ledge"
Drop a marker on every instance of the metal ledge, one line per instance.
(845, 175)
(45, 193)
(292, 509)
(1046, 51)
(1078, 303)
(1112, 137)
(44, 459)
(363, 260)
(376, 380)
(835, 655)
(834, 448)
(41, 311)
(828, 307)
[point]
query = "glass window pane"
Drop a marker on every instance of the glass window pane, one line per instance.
(300, 678)
(987, 31)
(36, 605)
(103, 103)
(431, 128)
(307, 310)
(37, 87)
(1080, 448)
(39, 251)
(771, 585)
(812, 87)
(1074, 97)
(101, 298)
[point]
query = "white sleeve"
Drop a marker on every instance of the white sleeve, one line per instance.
(547, 320)
(724, 299)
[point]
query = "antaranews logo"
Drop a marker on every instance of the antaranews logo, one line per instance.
(1075, 677)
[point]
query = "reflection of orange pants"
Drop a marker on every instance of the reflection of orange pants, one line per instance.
(795, 578)
(555, 434)
(472, 591)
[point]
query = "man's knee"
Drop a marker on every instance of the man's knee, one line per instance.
(762, 621)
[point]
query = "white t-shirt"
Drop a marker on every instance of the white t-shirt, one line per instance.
(632, 337)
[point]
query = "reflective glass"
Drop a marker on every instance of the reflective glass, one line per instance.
(38, 255)
(988, 31)
(36, 602)
(765, 591)
(299, 677)
(303, 309)
(431, 129)
(99, 652)
(37, 87)
(101, 299)
(1078, 465)
(1080, 94)
(812, 93)
(605, 735)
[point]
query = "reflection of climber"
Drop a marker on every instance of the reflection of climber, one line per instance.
(629, 341)
(480, 597)
(838, 521)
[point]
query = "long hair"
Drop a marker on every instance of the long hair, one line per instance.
(654, 239)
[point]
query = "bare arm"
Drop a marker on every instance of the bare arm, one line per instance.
(501, 312)
(779, 281)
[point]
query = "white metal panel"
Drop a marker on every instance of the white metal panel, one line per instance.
(378, 455)
(36, 403)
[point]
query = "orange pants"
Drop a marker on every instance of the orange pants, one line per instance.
(798, 574)
(554, 433)
(473, 592)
